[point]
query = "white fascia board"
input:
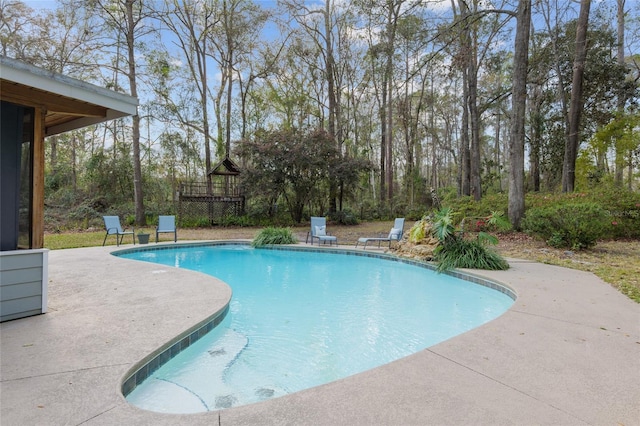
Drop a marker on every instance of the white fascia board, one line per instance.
(38, 78)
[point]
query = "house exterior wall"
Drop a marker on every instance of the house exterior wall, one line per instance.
(10, 159)
(23, 283)
(55, 103)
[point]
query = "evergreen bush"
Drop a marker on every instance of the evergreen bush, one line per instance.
(344, 217)
(195, 222)
(623, 208)
(232, 220)
(576, 226)
(468, 207)
(621, 205)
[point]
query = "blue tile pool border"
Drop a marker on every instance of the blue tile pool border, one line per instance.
(157, 359)
(145, 368)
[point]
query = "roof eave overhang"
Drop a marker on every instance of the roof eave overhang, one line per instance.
(81, 122)
(115, 105)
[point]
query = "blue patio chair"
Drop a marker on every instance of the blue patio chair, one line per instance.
(167, 224)
(319, 231)
(394, 235)
(112, 225)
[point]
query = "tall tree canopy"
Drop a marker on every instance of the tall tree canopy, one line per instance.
(460, 97)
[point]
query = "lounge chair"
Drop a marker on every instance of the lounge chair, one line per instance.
(167, 224)
(112, 225)
(394, 235)
(319, 230)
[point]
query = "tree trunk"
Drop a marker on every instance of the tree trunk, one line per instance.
(434, 139)
(576, 106)
(331, 93)
(54, 154)
(560, 84)
(389, 114)
(383, 144)
(389, 146)
(537, 130)
(534, 151)
(229, 31)
(498, 148)
(202, 68)
(621, 97)
(465, 153)
(519, 97)
(227, 143)
(391, 27)
(474, 118)
(217, 110)
(135, 132)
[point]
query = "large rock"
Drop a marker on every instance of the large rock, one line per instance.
(420, 242)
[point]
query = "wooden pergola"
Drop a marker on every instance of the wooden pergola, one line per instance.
(220, 197)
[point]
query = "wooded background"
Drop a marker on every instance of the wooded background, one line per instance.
(393, 100)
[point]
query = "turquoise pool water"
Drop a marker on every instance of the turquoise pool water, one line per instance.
(300, 319)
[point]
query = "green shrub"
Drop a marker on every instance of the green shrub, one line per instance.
(365, 209)
(454, 251)
(488, 205)
(623, 208)
(130, 219)
(344, 217)
(443, 225)
(576, 226)
(414, 213)
(195, 222)
(417, 231)
(233, 220)
(82, 213)
(495, 222)
(621, 205)
(274, 236)
(460, 253)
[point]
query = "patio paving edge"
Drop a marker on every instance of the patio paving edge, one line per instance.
(567, 352)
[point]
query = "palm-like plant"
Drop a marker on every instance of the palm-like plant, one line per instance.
(454, 251)
(443, 227)
(497, 220)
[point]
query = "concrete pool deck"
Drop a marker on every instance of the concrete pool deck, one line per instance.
(566, 353)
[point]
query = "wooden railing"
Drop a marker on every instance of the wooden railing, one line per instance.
(218, 189)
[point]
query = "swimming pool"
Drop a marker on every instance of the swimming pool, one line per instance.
(298, 319)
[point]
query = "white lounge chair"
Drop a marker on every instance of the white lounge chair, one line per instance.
(394, 235)
(319, 231)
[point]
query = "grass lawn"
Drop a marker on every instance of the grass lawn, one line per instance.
(616, 262)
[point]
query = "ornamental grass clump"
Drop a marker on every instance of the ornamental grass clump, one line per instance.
(454, 251)
(461, 253)
(269, 236)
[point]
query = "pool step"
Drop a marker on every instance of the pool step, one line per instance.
(214, 377)
(193, 383)
(227, 348)
(205, 375)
